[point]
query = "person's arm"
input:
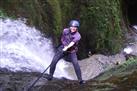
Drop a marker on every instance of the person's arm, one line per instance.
(75, 40)
(67, 47)
(64, 33)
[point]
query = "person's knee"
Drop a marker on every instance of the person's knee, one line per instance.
(74, 60)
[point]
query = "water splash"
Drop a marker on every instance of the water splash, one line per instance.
(23, 48)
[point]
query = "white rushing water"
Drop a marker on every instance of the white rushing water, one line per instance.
(23, 48)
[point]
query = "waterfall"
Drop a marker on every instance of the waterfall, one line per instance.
(24, 48)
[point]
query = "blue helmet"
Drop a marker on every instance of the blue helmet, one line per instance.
(74, 23)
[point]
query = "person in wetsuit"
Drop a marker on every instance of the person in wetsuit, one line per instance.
(69, 47)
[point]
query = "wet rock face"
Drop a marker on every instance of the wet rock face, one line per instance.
(96, 64)
(124, 83)
(121, 78)
(21, 82)
(16, 81)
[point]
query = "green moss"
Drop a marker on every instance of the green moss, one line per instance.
(2, 14)
(126, 68)
(100, 20)
(105, 16)
(5, 15)
(57, 20)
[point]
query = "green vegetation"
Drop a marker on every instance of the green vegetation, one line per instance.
(100, 21)
(130, 61)
(102, 18)
(126, 68)
(57, 20)
(4, 15)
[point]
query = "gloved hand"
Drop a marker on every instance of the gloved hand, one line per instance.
(65, 48)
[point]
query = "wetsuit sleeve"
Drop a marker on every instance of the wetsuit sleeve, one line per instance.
(62, 39)
(64, 33)
(76, 38)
